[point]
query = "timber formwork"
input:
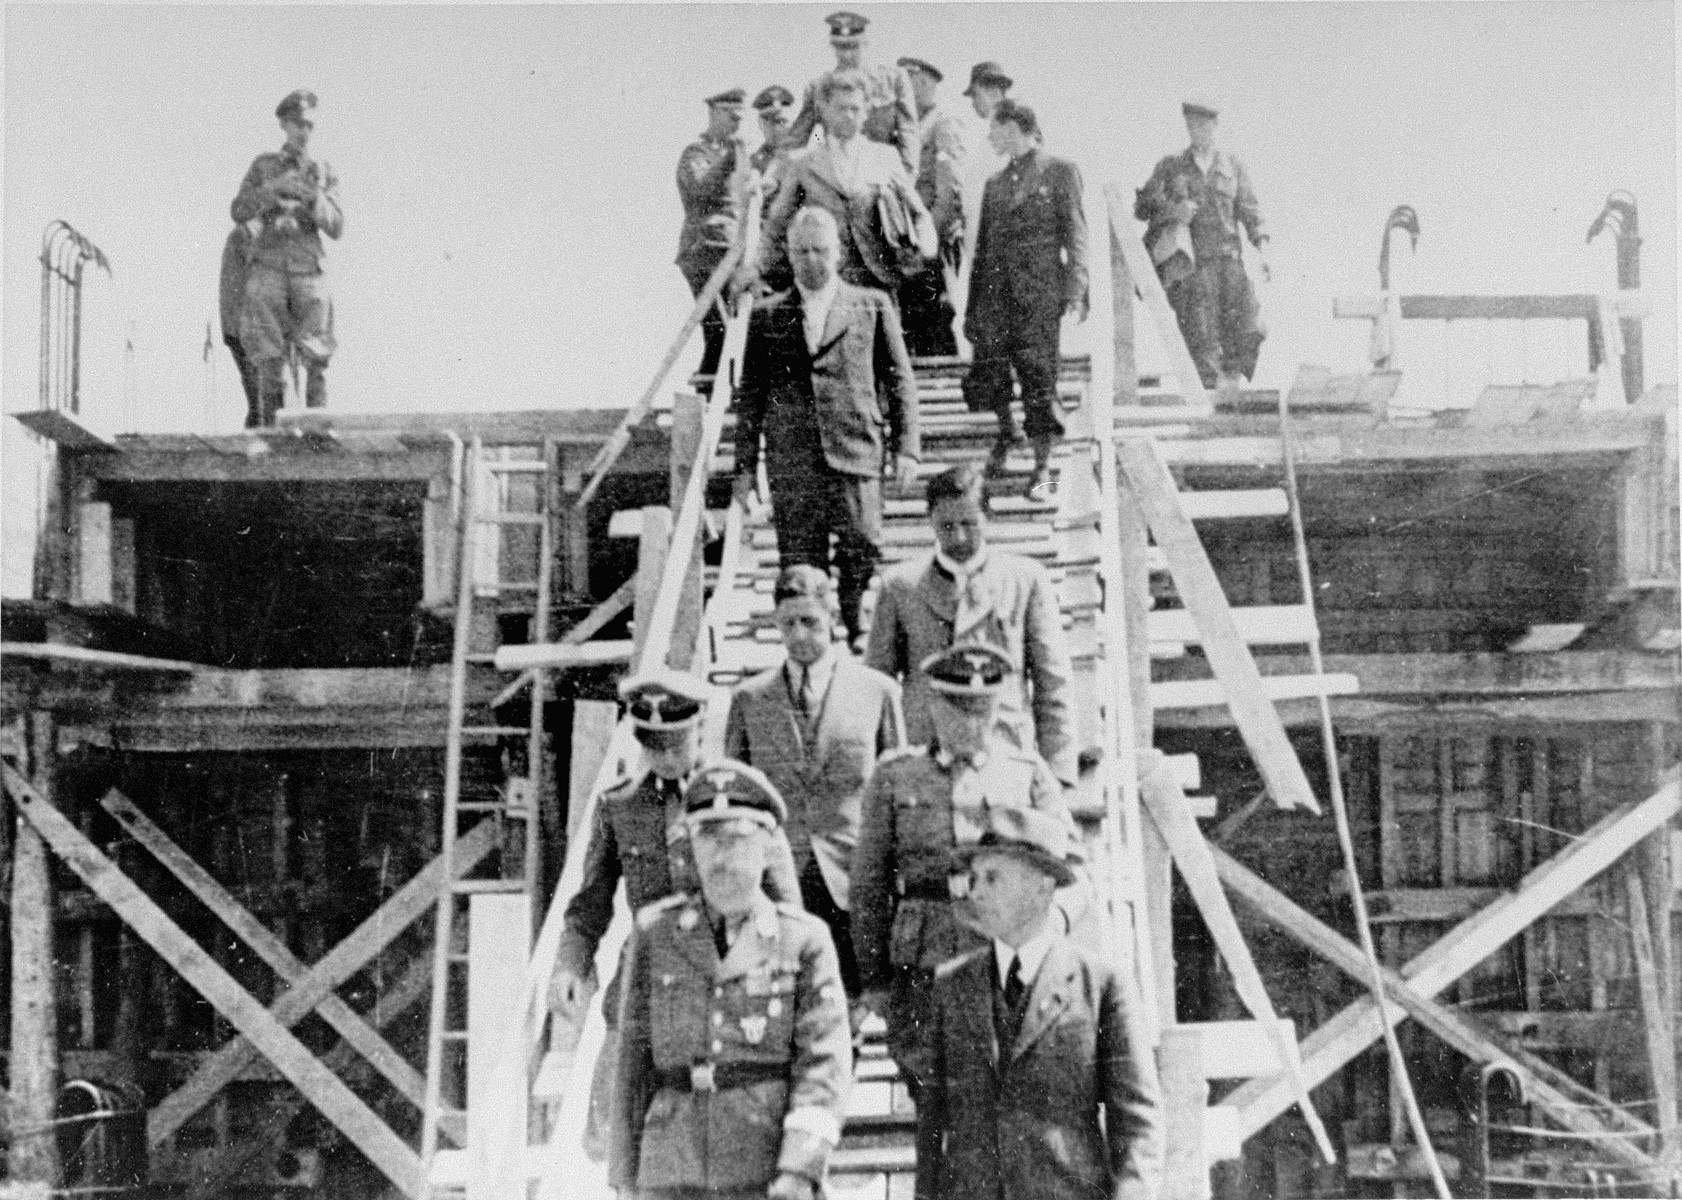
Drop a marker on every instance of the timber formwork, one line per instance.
(246, 642)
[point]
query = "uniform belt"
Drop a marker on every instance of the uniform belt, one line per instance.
(950, 887)
(717, 1077)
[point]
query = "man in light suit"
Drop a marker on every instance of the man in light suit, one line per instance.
(890, 114)
(885, 230)
(969, 592)
(1039, 1086)
(818, 357)
(1030, 269)
(816, 726)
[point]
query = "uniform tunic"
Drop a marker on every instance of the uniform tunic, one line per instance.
(286, 297)
(1210, 293)
(909, 907)
(765, 1030)
(709, 174)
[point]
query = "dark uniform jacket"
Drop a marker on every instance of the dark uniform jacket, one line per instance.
(914, 614)
(1226, 204)
(1022, 1122)
(1030, 249)
(821, 773)
(643, 836)
(299, 249)
(708, 174)
(822, 409)
(905, 908)
(890, 112)
(768, 1023)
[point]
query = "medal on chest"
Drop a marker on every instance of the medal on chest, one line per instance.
(753, 1028)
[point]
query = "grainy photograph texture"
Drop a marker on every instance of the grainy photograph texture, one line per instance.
(925, 601)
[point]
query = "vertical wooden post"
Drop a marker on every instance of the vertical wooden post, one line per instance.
(688, 413)
(1185, 1094)
(651, 564)
(33, 1156)
(1657, 1021)
(573, 553)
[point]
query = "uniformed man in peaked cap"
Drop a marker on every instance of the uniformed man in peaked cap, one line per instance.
(288, 308)
(1199, 207)
(988, 84)
(923, 300)
(910, 911)
(890, 111)
(711, 173)
(638, 832)
(774, 107)
(734, 1053)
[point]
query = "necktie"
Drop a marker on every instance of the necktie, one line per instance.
(1013, 985)
(1008, 1010)
(721, 939)
(803, 696)
(970, 612)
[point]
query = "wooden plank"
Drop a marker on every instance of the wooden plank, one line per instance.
(1200, 693)
(1500, 308)
(655, 535)
(1165, 803)
(343, 961)
(688, 419)
(335, 1101)
(33, 1065)
(1356, 1027)
(340, 1016)
(212, 1172)
(1235, 502)
(1185, 1098)
(1655, 1019)
(57, 425)
(498, 934)
(1554, 1089)
(93, 553)
(1200, 590)
(99, 659)
(1258, 625)
(1241, 1049)
(561, 656)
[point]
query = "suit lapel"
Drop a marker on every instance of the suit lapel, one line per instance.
(837, 320)
(938, 591)
(974, 999)
(1050, 996)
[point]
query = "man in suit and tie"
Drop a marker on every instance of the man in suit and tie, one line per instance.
(1030, 269)
(890, 115)
(819, 357)
(885, 231)
(1040, 1087)
(967, 591)
(816, 726)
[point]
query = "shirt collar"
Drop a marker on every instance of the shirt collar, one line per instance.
(1032, 953)
(961, 571)
(944, 759)
(820, 671)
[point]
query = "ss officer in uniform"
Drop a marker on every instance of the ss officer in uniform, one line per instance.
(773, 106)
(923, 300)
(639, 833)
(710, 175)
(295, 199)
(890, 111)
(734, 1054)
(910, 911)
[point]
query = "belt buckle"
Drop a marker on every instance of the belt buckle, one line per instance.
(701, 1078)
(957, 885)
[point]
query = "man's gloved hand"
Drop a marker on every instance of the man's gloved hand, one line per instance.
(791, 1187)
(567, 993)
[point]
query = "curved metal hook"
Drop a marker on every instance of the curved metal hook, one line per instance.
(1402, 217)
(1619, 215)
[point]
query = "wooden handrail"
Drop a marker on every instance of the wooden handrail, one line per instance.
(505, 1165)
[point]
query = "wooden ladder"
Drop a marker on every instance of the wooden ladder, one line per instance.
(484, 922)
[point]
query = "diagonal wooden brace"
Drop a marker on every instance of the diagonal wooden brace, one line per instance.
(1563, 1097)
(1228, 654)
(1167, 806)
(342, 1017)
(1351, 1031)
(339, 964)
(291, 1057)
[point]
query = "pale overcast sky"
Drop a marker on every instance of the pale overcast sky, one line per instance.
(507, 172)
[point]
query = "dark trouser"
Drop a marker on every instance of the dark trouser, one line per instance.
(1027, 347)
(814, 893)
(247, 380)
(926, 313)
(807, 507)
(712, 324)
(1219, 318)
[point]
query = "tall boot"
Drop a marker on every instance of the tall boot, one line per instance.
(1003, 444)
(315, 387)
(271, 390)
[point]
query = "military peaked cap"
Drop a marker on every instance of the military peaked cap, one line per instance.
(727, 789)
(775, 96)
(917, 64)
(1199, 108)
(733, 96)
(973, 669)
(846, 24)
(990, 73)
(1028, 834)
(663, 699)
(297, 104)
